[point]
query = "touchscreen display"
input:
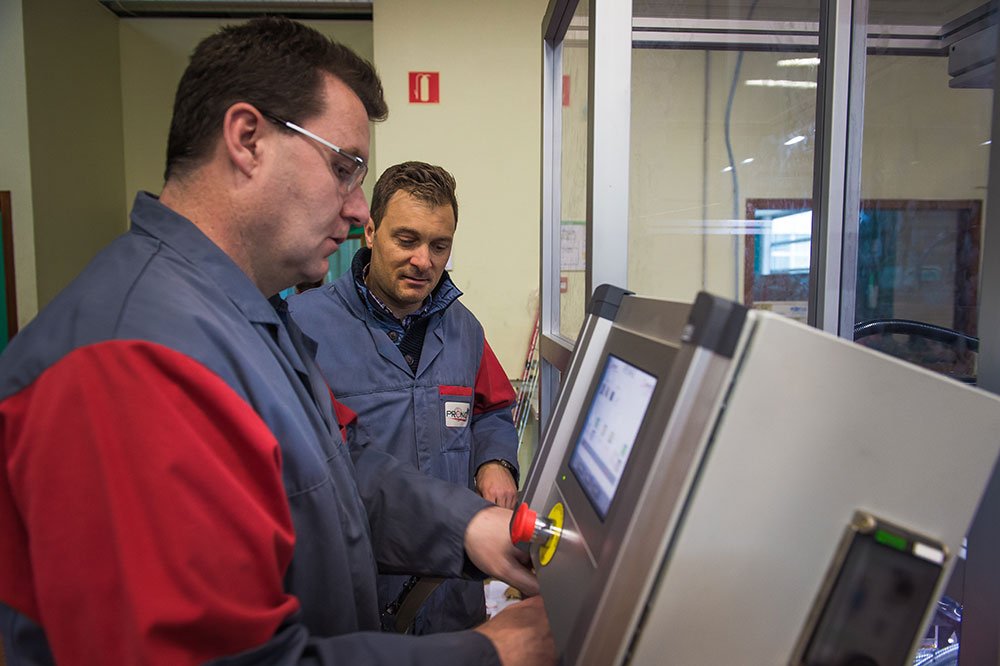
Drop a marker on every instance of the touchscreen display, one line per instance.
(613, 419)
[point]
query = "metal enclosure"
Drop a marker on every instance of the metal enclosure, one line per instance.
(728, 533)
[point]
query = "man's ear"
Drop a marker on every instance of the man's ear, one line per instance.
(241, 131)
(369, 232)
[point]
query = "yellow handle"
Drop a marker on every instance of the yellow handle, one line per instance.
(546, 550)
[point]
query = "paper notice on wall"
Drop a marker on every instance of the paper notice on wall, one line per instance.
(573, 246)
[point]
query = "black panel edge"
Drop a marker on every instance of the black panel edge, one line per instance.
(207, 9)
(298, 16)
(606, 300)
(715, 324)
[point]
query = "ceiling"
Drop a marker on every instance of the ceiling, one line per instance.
(899, 12)
(345, 9)
(942, 15)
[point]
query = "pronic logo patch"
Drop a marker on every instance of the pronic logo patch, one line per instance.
(456, 414)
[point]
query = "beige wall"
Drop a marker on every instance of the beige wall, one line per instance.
(486, 132)
(922, 138)
(85, 117)
(74, 134)
(15, 158)
(154, 53)
(123, 94)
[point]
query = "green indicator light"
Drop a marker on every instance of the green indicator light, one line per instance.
(891, 540)
(563, 477)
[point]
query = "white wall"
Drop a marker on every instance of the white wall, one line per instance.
(485, 131)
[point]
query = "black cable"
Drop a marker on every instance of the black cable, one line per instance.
(910, 327)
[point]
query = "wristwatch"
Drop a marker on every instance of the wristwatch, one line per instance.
(503, 463)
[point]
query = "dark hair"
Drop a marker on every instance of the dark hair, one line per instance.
(274, 63)
(425, 182)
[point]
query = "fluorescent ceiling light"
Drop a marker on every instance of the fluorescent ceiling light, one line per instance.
(780, 83)
(799, 62)
(728, 168)
(986, 143)
(794, 140)
(748, 160)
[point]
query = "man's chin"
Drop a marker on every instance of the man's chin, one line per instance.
(413, 296)
(410, 299)
(314, 276)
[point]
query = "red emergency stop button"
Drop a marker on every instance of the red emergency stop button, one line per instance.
(522, 525)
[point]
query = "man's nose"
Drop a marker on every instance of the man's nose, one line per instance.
(355, 209)
(421, 257)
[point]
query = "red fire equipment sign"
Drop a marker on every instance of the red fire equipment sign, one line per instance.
(424, 88)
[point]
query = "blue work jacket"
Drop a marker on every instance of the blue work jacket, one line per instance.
(175, 488)
(447, 418)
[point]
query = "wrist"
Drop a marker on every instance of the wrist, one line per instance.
(502, 463)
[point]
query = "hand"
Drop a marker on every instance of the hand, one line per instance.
(495, 483)
(521, 635)
(488, 545)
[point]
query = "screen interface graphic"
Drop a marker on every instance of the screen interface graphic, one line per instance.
(613, 420)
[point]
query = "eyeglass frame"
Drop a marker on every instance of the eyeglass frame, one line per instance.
(360, 167)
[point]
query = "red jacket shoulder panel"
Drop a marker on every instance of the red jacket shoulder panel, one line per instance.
(145, 481)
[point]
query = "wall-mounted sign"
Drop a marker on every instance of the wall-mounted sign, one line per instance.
(573, 245)
(424, 88)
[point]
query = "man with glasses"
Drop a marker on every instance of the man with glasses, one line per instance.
(418, 370)
(176, 485)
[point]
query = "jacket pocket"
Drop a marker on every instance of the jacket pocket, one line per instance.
(455, 417)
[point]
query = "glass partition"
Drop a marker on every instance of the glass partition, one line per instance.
(925, 158)
(924, 175)
(573, 176)
(723, 118)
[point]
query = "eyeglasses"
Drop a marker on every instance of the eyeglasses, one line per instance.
(349, 169)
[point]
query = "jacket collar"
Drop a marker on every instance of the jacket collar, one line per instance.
(152, 218)
(444, 293)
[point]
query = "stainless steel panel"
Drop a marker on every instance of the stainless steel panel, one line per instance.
(571, 571)
(793, 456)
